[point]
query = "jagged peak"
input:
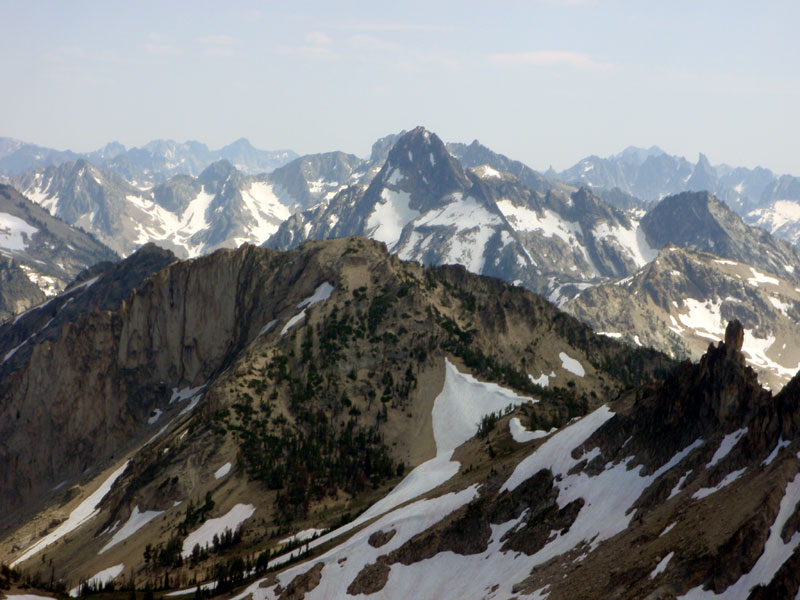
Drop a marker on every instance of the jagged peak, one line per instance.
(734, 336)
(421, 155)
(217, 170)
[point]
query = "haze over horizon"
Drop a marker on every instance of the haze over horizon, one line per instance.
(547, 82)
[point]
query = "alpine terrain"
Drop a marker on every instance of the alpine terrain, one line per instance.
(332, 421)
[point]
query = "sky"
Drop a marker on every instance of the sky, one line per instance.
(547, 82)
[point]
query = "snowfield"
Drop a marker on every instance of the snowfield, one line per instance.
(14, 232)
(100, 578)
(386, 221)
(204, 535)
(135, 522)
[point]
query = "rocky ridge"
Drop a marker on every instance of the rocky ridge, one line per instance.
(39, 254)
(312, 332)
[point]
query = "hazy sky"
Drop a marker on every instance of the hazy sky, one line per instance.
(546, 82)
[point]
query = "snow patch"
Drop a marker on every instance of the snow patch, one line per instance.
(725, 446)
(205, 533)
(543, 380)
(782, 443)
(759, 277)
(387, 219)
(293, 321)
(728, 479)
(135, 522)
(266, 328)
(572, 365)
(100, 578)
(15, 233)
(302, 536)
(522, 435)
(323, 292)
(662, 565)
(222, 471)
(156, 416)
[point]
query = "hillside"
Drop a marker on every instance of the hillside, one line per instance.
(298, 384)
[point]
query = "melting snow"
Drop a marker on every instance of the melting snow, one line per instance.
(100, 578)
(543, 380)
(15, 233)
(156, 416)
(185, 393)
(179, 395)
(662, 565)
(336, 576)
(487, 172)
(633, 240)
(571, 365)
(607, 496)
(725, 446)
(782, 443)
(667, 529)
(222, 471)
(457, 411)
(729, 478)
(474, 224)
(302, 536)
(676, 490)
(82, 513)
(323, 292)
(759, 277)
(293, 321)
(205, 533)
(135, 522)
(522, 435)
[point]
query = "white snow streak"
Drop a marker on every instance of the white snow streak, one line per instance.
(206, 532)
(135, 522)
(82, 513)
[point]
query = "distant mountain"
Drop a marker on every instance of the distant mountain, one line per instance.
(781, 216)
(222, 207)
(684, 298)
(699, 221)
(652, 174)
(317, 177)
(424, 206)
(39, 254)
(153, 163)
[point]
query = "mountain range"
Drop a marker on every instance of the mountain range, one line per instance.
(760, 196)
(449, 204)
(153, 163)
(332, 421)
